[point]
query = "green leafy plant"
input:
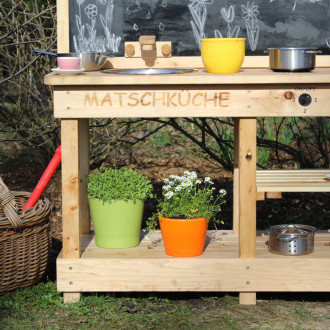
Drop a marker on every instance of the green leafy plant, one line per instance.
(188, 197)
(114, 184)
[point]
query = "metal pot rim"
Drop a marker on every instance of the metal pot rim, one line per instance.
(278, 230)
(292, 48)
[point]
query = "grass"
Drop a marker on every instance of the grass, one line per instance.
(41, 307)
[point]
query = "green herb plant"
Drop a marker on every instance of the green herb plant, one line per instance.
(188, 197)
(122, 184)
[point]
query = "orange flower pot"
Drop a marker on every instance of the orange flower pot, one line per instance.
(183, 237)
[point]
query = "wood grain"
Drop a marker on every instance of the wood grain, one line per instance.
(184, 101)
(148, 268)
(70, 188)
(63, 41)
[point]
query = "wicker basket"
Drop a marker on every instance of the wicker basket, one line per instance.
(25, 239)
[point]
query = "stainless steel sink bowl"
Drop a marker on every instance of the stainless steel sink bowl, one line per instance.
(147, 71)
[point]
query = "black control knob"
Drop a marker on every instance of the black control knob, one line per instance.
(305, 100)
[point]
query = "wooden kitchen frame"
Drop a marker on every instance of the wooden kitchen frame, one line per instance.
(231, 262)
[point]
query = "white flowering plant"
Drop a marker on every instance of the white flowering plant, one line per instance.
(188, 197)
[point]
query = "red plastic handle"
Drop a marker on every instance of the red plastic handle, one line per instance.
(40, 187)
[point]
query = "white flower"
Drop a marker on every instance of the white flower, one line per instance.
(166, 180)
(169, 194)
(178, 188)
(167, 187)
(222, 192)
(198, 181)
(175, 177)
(187, 183)
(207, 179)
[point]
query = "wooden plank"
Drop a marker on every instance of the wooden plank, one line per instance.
(71, 193)
(274, 195)
(71, 297)
(293, 177)
(63, 41)
(304, 82)
(260, 195)
(236, 178)
(247, 275)
(285, 187)
(247, 197)
(70, 188)
(219, 269)
(301, 180)
(83, 154)
(247, 187)
(186, 101)
(293, 172)
(247, 298)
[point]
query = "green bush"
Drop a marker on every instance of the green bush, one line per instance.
(118, 184)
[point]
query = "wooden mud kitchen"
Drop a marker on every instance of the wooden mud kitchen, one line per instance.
(233, 261)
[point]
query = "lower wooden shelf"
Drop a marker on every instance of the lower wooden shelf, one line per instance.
(147, 268)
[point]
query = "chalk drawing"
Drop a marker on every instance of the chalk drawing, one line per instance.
(250, 14)
(148, 15)
(87, 39)
(296, 1)
(164, 3)
(199, 12)
(228, 15)
(161, 26)
(327, 41)
(135, 27)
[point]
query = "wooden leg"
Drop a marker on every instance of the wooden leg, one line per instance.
(247, 298)
(74, 137)
(247, 195)
(71, 297)
(83, 150)
(236, 178)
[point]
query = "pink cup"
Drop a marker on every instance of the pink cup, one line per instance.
(68, 63)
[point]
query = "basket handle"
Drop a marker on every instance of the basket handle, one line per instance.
(9, 206)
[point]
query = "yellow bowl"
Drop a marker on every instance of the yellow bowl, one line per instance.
(223, 55)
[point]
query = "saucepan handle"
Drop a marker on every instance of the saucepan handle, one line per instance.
(44, 52)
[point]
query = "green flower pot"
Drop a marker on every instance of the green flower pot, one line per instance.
(116, 225)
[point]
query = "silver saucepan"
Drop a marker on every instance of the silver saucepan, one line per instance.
(88, 61)
(292, 59)
(291, 240)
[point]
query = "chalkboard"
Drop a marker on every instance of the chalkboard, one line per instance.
(104, 25)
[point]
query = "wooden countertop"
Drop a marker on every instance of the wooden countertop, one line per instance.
(199, 77)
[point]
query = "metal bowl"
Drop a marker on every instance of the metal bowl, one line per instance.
(88, 61)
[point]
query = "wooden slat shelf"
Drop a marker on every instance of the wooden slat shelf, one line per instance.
(293, 180)
(147, 268)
